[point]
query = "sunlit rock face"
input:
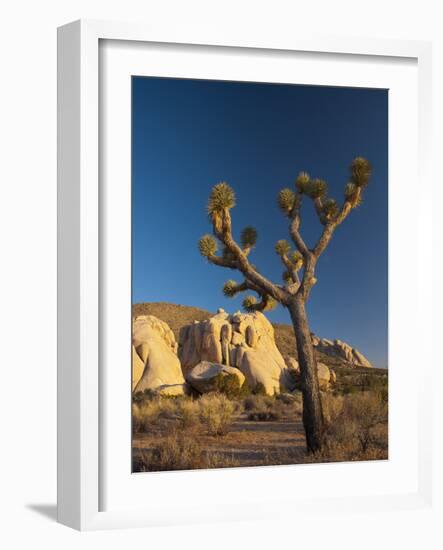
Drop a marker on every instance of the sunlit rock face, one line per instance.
(244, 341)
(341, 350)
(203, 377)
(155, 364)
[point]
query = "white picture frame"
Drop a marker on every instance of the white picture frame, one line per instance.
(81, 413)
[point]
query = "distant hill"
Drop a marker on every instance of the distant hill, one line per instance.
(175, 315)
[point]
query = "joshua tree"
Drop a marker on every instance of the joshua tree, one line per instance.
(300, 264)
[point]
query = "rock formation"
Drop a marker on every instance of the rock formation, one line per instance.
(242, 340)
(326, 376)
(203, 376)
(155, 364)
(341, 350)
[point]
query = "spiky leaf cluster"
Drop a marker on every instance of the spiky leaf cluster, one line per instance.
(297, 257)
(207, 246)
(230, 289)
(315, 188)
(297, 260)
(286, 201)
(249, 302)
(360, 170)
(248, 237)
(282, 247)
(222, 196)
(302, 181)
(330, 209)
(270, 304)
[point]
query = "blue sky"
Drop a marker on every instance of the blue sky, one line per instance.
(188, 135)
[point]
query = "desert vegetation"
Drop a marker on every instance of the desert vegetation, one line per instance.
(232, 426)
(300, 262)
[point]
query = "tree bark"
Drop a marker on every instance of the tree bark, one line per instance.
(313, 421)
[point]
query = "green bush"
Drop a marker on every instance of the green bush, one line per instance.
(229, 385)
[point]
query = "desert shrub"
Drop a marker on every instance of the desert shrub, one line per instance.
(291, 403)
(332, 406)
(293, 380)
(258, 402)
(136, 419)
(188, 413)
(229, 385)
(266, 407)
(357, 426)
(173, 452)
(221, 460)
(249, 402)
(180, 451)
(146, 414)
(350, 390)
(216, 413)
(264, 416)
(138, 397)
(259, 389)
(149, 394)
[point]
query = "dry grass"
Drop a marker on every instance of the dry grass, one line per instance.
(180, 451)
(214, 431)
(357, 427)
(211, 413)
(266, 408)
(149, 413)
(216, 412)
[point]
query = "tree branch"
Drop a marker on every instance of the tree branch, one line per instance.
(223, 232)
(295, 226)
(329, 229)
(221, 262)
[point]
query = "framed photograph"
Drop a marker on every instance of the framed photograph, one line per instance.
(235, 232)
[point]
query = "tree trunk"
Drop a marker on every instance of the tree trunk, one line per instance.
(312, 408)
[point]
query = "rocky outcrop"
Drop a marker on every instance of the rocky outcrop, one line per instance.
(203, 377)
(341, 350)
(243, 340)
(155, 364)
(326, 376)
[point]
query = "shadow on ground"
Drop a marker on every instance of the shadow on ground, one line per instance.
(48, 511)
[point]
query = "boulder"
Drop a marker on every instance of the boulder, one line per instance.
(341, 350)
(137, 368)
(203, 376)
(155, 357)
(242, 340)
(172, 390)
(324, 376)
(293, 364)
